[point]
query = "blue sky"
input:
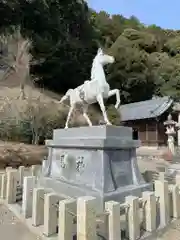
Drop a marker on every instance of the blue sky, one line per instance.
(164, 13)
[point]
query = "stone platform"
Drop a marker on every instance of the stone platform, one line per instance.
(95, 161)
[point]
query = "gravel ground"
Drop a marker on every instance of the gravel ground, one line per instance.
(170, 233)
(12, 228)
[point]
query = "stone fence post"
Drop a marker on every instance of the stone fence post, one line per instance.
(51, 207)
(21, 175)
(11, 188)
(86, 218)
(178, 180)
(27, 198)
(149, 200)
(175, 201)
(133, 217)
(114, 229)
(162, 192)
(35, 169)
(3, 185)
(67, 213)
(38, 207)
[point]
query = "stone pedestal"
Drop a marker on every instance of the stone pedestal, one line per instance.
(96, 161)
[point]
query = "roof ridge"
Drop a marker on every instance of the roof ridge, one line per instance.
(146, 109)
(154, 99)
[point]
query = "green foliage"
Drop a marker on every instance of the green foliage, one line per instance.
(32, 128)
(113, 115)
(13, 130)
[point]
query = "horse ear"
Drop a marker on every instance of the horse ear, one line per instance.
(100, 50)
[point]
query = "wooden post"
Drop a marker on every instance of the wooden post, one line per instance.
(86, 218)
(113, 208)
(66, 210)
(147, 140)
(156, 132)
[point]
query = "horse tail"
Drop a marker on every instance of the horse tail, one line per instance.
(66, 96)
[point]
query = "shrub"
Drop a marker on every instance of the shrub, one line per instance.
(113, 115)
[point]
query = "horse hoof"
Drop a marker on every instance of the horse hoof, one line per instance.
(117, 106)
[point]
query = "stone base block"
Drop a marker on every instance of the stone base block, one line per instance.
(95, 161)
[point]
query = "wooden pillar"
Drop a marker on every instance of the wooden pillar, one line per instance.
(157, 132)
(147, 137)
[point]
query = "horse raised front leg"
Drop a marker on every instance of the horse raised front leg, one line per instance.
(101, 104)
(69, 116)
(85, 108)
(115, 92)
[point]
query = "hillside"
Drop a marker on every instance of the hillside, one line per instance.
(13, 105)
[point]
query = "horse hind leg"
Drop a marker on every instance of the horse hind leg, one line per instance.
(85, 108)
(69, 115)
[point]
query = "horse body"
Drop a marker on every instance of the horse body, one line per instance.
(94, 90)
(87, 93)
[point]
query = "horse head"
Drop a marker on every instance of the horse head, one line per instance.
(103, 58)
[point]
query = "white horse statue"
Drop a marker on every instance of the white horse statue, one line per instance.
(93, 91)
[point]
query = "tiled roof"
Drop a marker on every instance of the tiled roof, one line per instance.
(146, 109)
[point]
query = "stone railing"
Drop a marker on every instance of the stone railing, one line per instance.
(56, 215)
(11, 182)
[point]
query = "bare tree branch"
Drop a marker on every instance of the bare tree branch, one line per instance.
(18, 58)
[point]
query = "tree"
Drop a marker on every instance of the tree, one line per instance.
(62, 37)
(130, 73)
(65, 36)
(141, 39)
(17, 59)
(172, 46)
